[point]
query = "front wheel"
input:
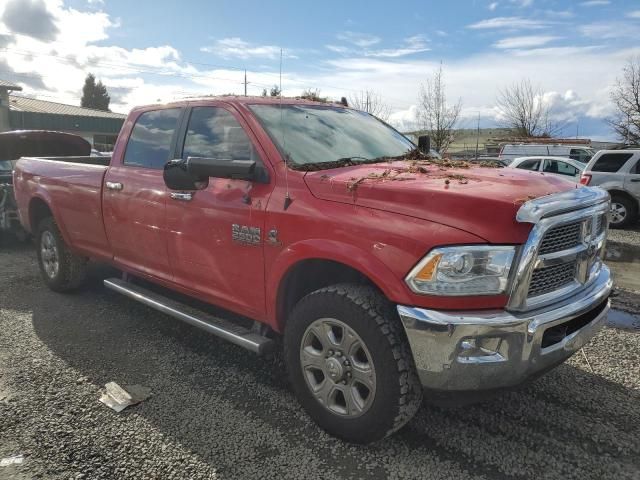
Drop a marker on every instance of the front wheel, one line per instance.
(623, 211)
(349, 363)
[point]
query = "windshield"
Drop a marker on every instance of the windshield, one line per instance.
(321, 134)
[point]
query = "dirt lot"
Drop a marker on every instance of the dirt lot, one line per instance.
(218, 411)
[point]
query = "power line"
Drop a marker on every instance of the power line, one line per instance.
(397, 103)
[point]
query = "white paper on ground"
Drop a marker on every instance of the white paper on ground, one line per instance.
(14, 460)
(118, 398)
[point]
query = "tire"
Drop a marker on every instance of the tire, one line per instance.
(61, 270)
(624, 211)
(382, 391)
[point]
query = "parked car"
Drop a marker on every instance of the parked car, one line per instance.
(25, 143)
(567, 168)
(384, 271)
(581, 153)
(618, 172)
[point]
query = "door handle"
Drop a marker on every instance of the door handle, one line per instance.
(635, 180)
(114, 185)
(185, 197)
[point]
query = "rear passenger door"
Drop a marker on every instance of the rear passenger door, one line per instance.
(560, 168)
(135, 195)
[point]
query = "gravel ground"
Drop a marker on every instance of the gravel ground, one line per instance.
(629, 236)
(218, 411)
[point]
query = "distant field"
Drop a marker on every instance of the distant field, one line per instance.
(465, 139)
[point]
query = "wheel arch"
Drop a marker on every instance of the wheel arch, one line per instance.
(322, 263)
(39, 209)
(623, 193)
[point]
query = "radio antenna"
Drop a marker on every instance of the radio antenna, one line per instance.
(287, 197)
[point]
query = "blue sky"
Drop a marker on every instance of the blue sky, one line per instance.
(146, 51)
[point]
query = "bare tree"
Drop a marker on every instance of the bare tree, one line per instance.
(436, 116)
(370, 102)
(626, 98)
(313, 94)
(524, 110)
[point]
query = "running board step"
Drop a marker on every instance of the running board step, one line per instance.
(218, 326)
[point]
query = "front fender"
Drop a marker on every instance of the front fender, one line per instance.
(365, 263)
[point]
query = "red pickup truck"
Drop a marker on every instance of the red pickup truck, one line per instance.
(388, 273)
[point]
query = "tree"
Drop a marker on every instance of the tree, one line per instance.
(370, 102)
(264, 92)
(313, 94)
(523, 109)
(438, 119)
(275, 91)
(626, 98)
(94, 95)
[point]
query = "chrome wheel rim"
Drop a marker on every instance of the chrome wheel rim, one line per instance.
(338, 367)
(49, 254)
(618, 212)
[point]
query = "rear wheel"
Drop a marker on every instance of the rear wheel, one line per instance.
(623, 211)
(350, 364)
(61, 269)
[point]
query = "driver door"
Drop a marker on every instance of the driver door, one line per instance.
(216, 235)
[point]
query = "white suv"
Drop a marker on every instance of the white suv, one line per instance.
(618, 172)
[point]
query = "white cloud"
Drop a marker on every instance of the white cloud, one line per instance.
(509, 23)
(492, 6)
(413, 44)
(234, 47)
(595, 3)
(410, 45)
(609, 30)
(634, 14)
(523, 3)
(525, 41)
(359, 39)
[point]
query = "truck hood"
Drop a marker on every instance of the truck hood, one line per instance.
(480, 200)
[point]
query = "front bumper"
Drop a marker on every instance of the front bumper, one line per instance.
(494, 349)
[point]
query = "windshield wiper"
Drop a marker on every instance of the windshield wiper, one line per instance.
(340, 162)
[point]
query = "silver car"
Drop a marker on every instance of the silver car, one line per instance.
(618, 172)
(568, 168)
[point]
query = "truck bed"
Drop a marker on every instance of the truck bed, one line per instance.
(72, 186)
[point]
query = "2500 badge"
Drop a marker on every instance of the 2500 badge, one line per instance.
(246, 235)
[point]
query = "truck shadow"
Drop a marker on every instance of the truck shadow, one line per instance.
(570, 423)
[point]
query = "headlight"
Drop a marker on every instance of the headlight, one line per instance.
(470, 270)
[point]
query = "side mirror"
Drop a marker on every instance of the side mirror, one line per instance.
(194, 172)
(424, 144)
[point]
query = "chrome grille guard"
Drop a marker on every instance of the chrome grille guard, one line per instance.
(585, 204)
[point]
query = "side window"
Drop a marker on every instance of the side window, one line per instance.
(637, 169)
(214, 133)
(150, 139)
(611, 162)
(530, 165)
(562, 168)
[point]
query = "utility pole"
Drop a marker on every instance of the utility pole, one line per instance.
(245, 83)
(477, 136)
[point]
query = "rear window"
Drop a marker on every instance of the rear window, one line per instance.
(611, 162)
(150, 141)
(530, 165)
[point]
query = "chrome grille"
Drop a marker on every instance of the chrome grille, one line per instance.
(549, 279)
(600, 223)
(562, 237)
